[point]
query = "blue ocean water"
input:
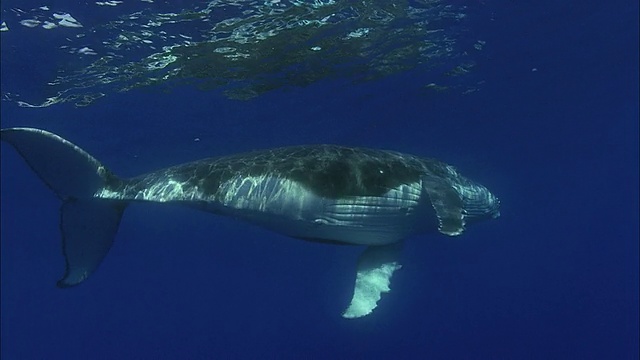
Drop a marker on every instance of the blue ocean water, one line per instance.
(547, 118)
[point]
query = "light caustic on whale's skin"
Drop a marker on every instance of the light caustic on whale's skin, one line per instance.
(324, 193)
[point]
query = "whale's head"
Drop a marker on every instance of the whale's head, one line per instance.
(478, 202)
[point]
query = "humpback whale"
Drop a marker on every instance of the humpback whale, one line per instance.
(324, 193)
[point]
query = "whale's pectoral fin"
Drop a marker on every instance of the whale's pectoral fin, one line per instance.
(448, 206)
(375, 268)
(88, 228)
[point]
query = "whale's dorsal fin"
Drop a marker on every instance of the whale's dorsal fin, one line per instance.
(376, 266)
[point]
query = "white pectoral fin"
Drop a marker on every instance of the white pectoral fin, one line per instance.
(375, 269)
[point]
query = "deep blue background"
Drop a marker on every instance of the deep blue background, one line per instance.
(555, 277)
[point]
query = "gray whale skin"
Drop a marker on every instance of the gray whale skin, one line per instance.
(324, 193)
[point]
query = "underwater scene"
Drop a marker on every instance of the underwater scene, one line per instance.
(319, 179)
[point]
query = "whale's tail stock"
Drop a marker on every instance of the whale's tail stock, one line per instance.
(88, 224)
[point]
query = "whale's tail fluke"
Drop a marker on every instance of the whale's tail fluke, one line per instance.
(88, 224)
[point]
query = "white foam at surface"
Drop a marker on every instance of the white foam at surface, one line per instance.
(30, 23)
(108, 3)
(87, 51)
(358, 33)
(67, 20)
(49, 25)
(149, 30)
(69, 23)
(4, 27)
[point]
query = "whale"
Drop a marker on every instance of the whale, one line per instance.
(322, 193)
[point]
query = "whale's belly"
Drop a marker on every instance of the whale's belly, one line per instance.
(287, 207)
